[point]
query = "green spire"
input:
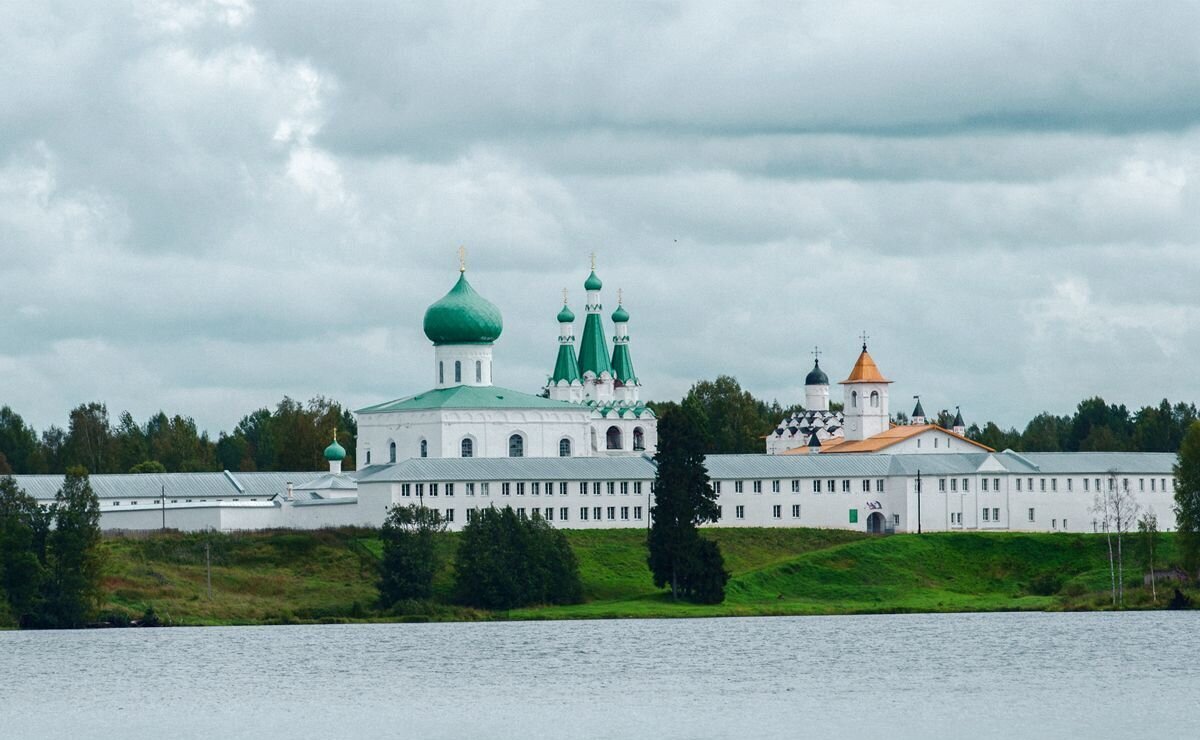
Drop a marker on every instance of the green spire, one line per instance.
(622, 364)
(566, 368)
(593, 349)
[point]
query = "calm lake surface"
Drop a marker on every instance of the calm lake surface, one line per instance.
(939, 676)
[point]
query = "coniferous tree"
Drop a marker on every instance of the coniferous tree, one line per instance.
(410, 553)
(683, 500)
(1187, 497)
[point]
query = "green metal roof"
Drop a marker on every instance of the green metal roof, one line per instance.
(335, 451)
(470, 397)
(566, 315)
(593, 282)
(622, 364)
(463, 316)
(593, 349)
(566, 368)
(620, 315)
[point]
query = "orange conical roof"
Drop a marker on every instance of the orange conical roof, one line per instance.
(865, 370)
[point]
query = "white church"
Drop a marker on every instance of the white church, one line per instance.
(580, 455)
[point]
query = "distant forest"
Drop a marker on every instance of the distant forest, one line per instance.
(293, 435)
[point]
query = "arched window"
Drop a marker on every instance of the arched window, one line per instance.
(368, 457)
(874, 399)
(424, 448)
(391, 451)
(639, 439)
(613, 438)
(441, 372)
(516, 446)
(478, 371)
(468, 447)
(564, 447)
(457, 371)
(854, 399)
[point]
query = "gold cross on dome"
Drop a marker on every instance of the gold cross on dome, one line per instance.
(564, 296)
(593, 260)
(619, 294)
(462, 259)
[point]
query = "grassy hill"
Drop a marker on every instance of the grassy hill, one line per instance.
(328, 575)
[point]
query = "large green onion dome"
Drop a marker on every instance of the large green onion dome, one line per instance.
(620, 315)
(463, 316)
(593, 282)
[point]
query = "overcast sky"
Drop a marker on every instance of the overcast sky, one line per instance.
(205, 206)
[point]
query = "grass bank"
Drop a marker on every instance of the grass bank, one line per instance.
(286, 577)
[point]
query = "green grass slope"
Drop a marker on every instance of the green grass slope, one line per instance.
(329, 575)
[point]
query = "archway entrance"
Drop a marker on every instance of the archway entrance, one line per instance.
(875, 523)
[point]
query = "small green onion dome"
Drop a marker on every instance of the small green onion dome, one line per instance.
(816, 376)
(565, 316)
(593, 282)
(463, 316)
(620, 315)
(335, 452)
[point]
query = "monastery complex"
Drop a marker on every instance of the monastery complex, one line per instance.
(580, 454)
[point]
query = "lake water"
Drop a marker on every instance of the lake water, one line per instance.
(921, 676)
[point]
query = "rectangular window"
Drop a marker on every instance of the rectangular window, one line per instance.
(1152, 484)
(116, 503)
(995, 484)
(583, 513)
(1030, 481)
(996, 514)
(450, 515)
(896, 519)
(612, 512)
(1087, 485)
(583, 488)
(562, 488)
(776, 511)
(966, 485)
(716, 486)
(831, 485)
(1053, 524)
(845, 486)
(816, 486)
(720, 513)
(942, 484)
(624, 513)
(505, 489)
(637, 488)
(535, 488)
(596, 513)
(549, 488)
(549, 513)
(596, 490)
(637, 513)
(624, 488)
(795, 511)
(795, 485)
(983, 486)
(774, 486)
(1042, 484)
(521, 489)
(483, 488)
(1031, 514)
(1069, 486)
(854, 516)
(737, 486)
(954, 485)
(433, 489)
(449, 489)
(1141, 484)
(471, 514)
(611, 487)
(420, 490)
(405, 489)
(739, 512)
(562, 513)
(758, 486)
(866, 486)
(879, 485)
(986, 514)
(1054, 485)
(521, 511)
(1018, 485)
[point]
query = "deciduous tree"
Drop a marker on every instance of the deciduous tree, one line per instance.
(410, 553)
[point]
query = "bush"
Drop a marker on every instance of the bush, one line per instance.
(505, 561)
(410, 554)
(1045, 584)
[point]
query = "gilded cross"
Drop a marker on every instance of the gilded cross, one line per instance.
(462, 259)
(619, 294)
(564, 296)
(593, 261)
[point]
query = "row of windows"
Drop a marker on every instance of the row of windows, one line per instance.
(534, 488)
(516, 445)
(830, 486)
(158, 502)
(1051, 484)
(739, 512)
(458, 374)
(593, 513)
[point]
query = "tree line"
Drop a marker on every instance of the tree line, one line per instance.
(290, 436)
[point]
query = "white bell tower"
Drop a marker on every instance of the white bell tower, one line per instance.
(865, 393)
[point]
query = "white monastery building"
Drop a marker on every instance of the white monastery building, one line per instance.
(580, 455)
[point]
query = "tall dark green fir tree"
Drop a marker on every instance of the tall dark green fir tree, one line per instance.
(684, 499)
(1187, 497)
(75, 564)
